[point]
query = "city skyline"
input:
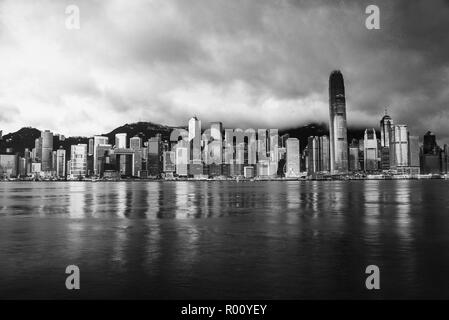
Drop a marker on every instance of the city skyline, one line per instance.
(237, 63)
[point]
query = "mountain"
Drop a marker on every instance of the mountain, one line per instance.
(25, 137)
(144, 130)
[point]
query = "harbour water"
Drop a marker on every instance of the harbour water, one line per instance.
(225, 240)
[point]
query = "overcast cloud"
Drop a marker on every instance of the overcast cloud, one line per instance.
(248, 63)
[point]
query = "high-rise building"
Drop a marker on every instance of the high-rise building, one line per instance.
(354, 161)
(385, 128)
(195, 139)
(182, 158)
(430, 143)
(337, 124)
(399, 146)
(431, 157)
(60, 163)
(98, 140)
(324, 154)
(155, 156)
(38, 149)
(102, 150)
(370, 151)
(313, 147)
(413, 152)
(78, 161)
(120, 140)
(47, 150)
(292, 163)
(8, 165)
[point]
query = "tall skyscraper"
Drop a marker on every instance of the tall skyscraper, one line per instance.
(292, 164)
(47, 150)
(413, 152)
(337, 124)
(385, 128)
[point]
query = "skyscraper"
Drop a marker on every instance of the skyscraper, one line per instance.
(97, 141)
(370, 151)
(399, 146)
(195, 139)
(292, 165)
(385, 128)
(47, 150)
(78, 161)
(60, 163)
(337, 124)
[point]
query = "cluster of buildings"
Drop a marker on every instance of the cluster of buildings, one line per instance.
(234, 153)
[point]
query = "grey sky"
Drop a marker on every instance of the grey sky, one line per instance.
(255, 63)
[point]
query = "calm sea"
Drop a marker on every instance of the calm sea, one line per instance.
(225, 240)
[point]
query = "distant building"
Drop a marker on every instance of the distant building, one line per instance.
(78, 161)
(385, 129)
(399, 146)
(248, 172)
(120, 140)
(98, 140)
(324, 154)
(61, 163)
(135, 143)
(47, 150)
(182, 158)
(169, 162)
(292, 163)
(413, 151)
(154, 156)
(354, 162)
(370, 151)
(8, 165)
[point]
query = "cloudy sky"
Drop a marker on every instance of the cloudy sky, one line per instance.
(247, 63)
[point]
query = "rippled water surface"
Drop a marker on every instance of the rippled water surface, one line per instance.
(224, 240)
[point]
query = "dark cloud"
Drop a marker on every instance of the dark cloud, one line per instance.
(248, 63)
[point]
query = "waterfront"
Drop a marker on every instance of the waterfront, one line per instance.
(224, 240)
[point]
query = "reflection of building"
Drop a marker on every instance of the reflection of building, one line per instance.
(370, 153)
(292, 164)
(337, 124)
(78, 161)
